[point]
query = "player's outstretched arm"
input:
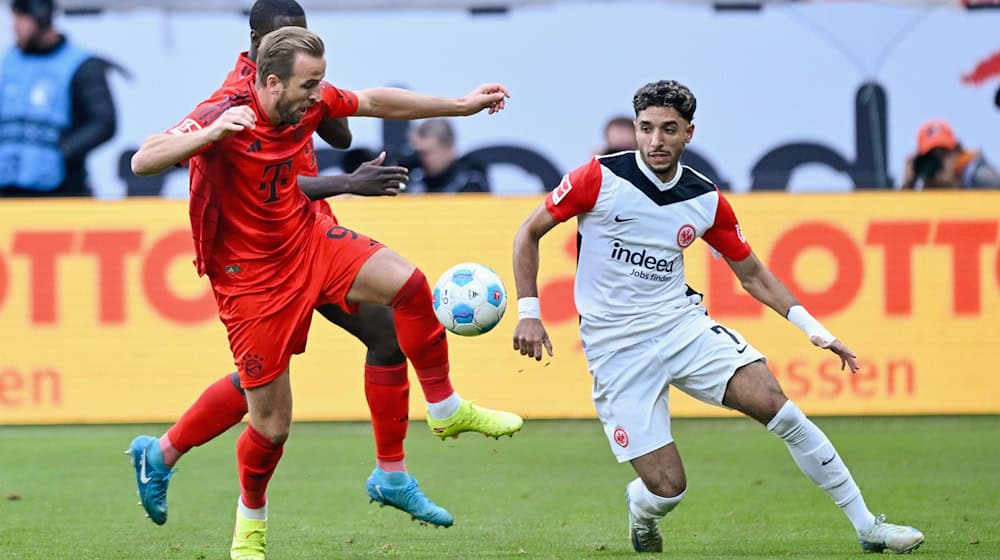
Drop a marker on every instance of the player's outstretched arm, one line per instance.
(529, 335)
(762, 284)
(162, 151)
(765, 287)
(403, 104)
(370, 179)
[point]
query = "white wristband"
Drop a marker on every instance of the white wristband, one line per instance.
(798, 316)
(528, 308)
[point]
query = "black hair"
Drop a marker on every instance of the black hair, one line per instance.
(666, 93)
(264, 13)
(40, 10)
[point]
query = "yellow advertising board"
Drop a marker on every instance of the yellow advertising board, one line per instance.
(102, 318)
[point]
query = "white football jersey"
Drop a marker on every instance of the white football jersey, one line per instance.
(632, 230)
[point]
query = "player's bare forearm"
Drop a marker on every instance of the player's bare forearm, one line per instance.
(336, 133)
(762, 284)
(402, 104)
(162, 151)
(526, 259)
(371, 178)
(530, 337)
(526, 253)
(317, 188)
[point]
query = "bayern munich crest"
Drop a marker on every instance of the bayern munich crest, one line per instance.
(253, 365)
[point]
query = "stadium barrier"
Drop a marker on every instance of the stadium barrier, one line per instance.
(102, 318)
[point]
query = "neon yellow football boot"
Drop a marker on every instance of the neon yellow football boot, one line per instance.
(249, 538)
(471, 417)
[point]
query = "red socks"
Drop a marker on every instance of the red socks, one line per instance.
(256, 458)
(388, 392)
(220, 407)
(421, 337)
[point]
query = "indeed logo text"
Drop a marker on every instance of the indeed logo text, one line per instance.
(623, 254)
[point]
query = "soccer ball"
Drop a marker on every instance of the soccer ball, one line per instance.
(469, 299)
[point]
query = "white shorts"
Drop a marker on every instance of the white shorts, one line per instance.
(631, 385)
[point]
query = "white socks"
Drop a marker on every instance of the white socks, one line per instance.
(258, 514)
(821, 463)
(647, 505)
(443, 409)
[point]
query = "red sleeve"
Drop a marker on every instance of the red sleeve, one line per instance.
(203, 115)
(725, 235)
(576, 193)
(339, 102)
(208, 110)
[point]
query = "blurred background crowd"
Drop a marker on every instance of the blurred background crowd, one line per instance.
(792, 96)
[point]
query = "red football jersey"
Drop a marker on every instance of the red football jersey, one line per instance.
(247, 212)
(245, 67)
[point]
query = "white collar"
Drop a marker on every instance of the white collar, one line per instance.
(663, 186)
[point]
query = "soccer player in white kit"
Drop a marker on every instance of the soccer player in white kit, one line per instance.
(636, 212)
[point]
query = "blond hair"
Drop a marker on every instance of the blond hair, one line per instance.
(278, 49)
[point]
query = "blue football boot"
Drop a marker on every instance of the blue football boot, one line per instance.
(400, 490)
(151, 476)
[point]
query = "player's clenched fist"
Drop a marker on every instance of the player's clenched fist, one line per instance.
(233, 120)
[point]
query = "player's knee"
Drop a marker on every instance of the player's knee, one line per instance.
(273, 428)
(417, 282)
(773, 405)
(385, 352)
(788, 421)
(275, 434)
(412, 289)
(669, 488)
(666, 485)
(379, 336)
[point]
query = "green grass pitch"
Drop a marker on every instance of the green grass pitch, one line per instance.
(553, 491)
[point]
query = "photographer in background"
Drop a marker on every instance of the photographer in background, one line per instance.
(56, 107)
(619, 136)
(942, 163)
(435, 166)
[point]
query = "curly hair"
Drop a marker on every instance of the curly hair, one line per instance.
(665, 93)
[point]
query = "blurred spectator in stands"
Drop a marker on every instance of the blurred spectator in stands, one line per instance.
(55, 108)
(619, 136)
(941, 162)
(435, 166)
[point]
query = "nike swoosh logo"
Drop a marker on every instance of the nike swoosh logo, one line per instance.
(142, 469)
(619, 219)
(827, 462)
(740, 351)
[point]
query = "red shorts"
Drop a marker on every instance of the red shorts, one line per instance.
(321, 206)
(266, 327)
